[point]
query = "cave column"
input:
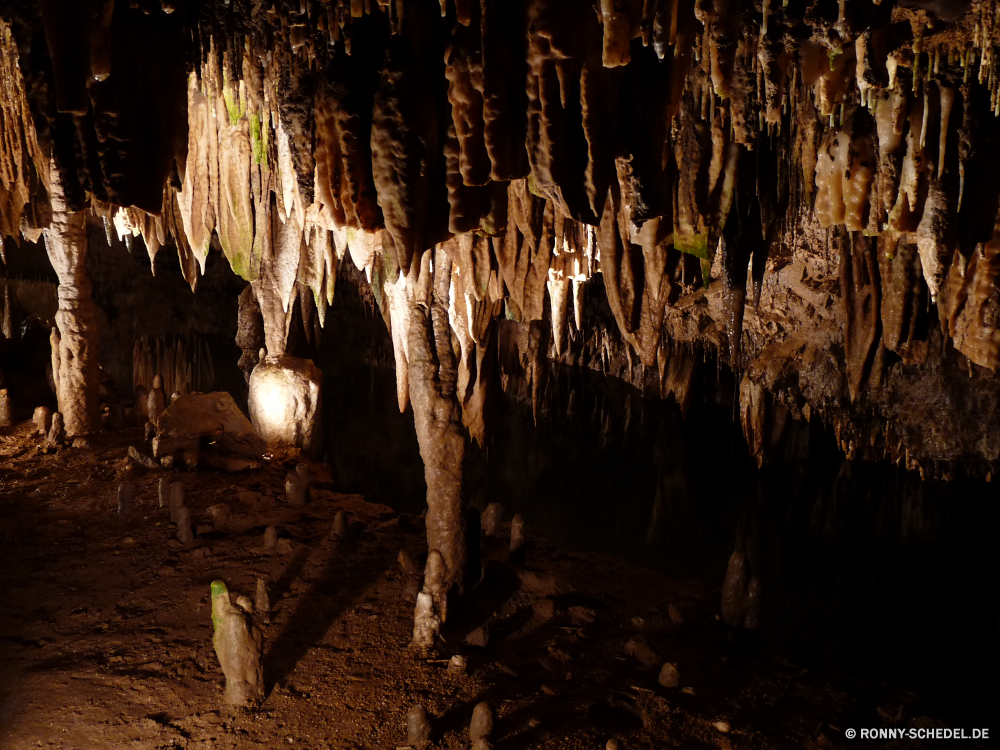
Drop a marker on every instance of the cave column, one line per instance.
(74, 339)
(437, 414)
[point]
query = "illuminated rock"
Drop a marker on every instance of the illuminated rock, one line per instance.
(285, 402)
(238, 645)
(200, 426)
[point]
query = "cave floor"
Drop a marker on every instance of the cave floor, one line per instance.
(105, 630)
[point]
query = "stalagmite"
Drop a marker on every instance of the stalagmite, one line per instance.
(339, 528)
(492, 518)
(56, 433)
(285, 403)
(163, 489)
(426, 623)
(740, 594)
(436, 584)
(262, 602)
(74, 339)
(238, 646)
(42, 419)
(517, 536)
(270, 539)
(436, 412)
(184, 533)
(156, 400)
(669, 676)
(418, 727)
(481, 726)
(297, 486)
(176, 499)
(126, 496)
(6, 420)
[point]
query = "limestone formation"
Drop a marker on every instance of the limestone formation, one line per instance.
(669, 676)
(740, 594)
(492, 518)
(481, 726)
(184, 533)
(176, 499)
(212, 419)
(56, 432)
(517, 536)
(297, 485)
(43, 420)
(74, 337)
(262, 602)
(270, 539)
(155, 401)
(6, 420)
(426, 623)
(436, 583)
(238, 646)
(418, 727)
(340, 527)
(126, 496)
(286, 403)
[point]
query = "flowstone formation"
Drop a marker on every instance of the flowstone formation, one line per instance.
(802, 191)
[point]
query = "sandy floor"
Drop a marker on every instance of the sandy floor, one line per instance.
(105, 630)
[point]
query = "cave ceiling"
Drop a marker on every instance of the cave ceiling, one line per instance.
(805, 192)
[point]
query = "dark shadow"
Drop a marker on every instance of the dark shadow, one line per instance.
(341, 581)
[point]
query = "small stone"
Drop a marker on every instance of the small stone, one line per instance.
(270, 538)
(128, 542)
(722, 726)
(478, 637)
(688, 691)
(674, 614)
(517, 535)
(174, 396)
(638, 648)
(43, 420)
(149, 431)
(612, 745)
(164, 492)
(492, 519)
(245, 604)
(176, 500)
(184, 535)
(482, 722)
(669, 676)
(418, 727)
(81, 442)
(285, 546)
(457, 665)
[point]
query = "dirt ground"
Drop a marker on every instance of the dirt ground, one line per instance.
(105, 630)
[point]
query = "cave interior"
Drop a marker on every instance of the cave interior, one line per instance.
(499, 373)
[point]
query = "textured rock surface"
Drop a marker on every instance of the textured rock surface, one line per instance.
(238, 646)
(286, 402)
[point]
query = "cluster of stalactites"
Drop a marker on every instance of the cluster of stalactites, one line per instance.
(550, 142)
